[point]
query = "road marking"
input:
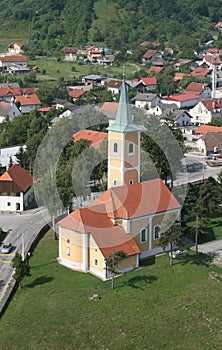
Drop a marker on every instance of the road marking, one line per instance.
(5, 261)
(12, 254)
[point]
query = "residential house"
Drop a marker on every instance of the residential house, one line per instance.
(209, 142)
(213, 61)
(8, 111)
(146, 100)
(93, 79)
(184, 100)
(149, 83)
(164, 109)
(10, 60)
(155, 70)
(94, 54)
(179, 76)
(151, 55)
(204, 129)
(28, 102)
(59, 103)
(92, 138)
(7, 153)
(201, 73)
(109, 109)
(180, 117)
(16, 193)
(114, 86)
(185, 62)
(9, 92)
(15, 48)
(127, 217)
(203, 90)
(70, 53)
(206, 110)
(70, 111)
(77, 94)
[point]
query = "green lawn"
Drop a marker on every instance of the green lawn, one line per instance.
(60, 69)
(213, 230)
(152, 308)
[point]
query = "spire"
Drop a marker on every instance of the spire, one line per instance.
(124, 121)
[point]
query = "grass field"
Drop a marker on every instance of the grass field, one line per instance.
(155, 307)
(54, 70)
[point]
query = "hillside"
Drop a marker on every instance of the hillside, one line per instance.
(46, 27)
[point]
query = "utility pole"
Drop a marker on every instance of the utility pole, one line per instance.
(196, 233)
(23, 246)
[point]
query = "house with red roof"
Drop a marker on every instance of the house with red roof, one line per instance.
(114, 86)
(28, 102)
(92, 138)
(15, 47)
(16, 193)
(128, 216)
(203, 90)
(9, 60)
(70, 53)
(150, 55)
(206, 110)
(201, 73)
(183, 100)
(149, 83)
(77, 94)
(204, 129)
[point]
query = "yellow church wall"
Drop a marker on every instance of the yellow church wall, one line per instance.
(136, 227)
(114, 174)
(115, 162)
(128, 263)
(95, 253)
(71, 245)
(158, 220)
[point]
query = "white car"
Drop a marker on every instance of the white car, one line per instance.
(177, 254)
(6, 248)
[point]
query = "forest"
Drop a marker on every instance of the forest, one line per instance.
(46, 27)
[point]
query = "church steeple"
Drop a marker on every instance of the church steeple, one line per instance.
(124, 120)
(123, 145)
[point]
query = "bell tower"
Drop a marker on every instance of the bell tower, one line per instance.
(123, 145)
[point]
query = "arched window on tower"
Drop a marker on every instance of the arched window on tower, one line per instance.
(131, 149)
(115, 147)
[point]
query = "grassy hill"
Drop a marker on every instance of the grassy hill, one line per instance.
(155, 307)
(46, 27)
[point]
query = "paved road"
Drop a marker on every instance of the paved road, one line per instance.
(22, 229)
(202, 171)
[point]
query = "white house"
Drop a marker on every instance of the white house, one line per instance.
(8, 111)
(28, 102)
(146, 100)
(16, 192)
(183, 100)
(205, 110)
(9, 152)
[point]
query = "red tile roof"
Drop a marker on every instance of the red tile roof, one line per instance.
(76, 93)
(109, 107)
(212, 104)
(93, 138)
(15, 91)
(68, 50)
(212, 59)
(179, 76)
(154, 69)
(27, 100)
(95, 221)
(182, 97)
(203, 129)
(16, 179)
(137, 200)
(149, 81)
(195, 87)
(13, 58)
(200, 72)
(149, 53)
(114, 83)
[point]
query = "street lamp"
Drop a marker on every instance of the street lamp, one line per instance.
(23, 246)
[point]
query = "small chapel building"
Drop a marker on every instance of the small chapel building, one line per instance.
(127, 216)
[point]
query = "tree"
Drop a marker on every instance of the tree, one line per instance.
(208, 201)
(170, 235)
(21, 267)
(112, 262)
(219, 181)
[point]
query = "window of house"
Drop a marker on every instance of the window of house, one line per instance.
(156, 232)
(143, 235)
(114, 182)
(9, 204)
(131, 149)
(68, 250)
(115, 147)
(96, 262)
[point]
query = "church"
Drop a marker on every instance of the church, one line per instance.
(127, 216)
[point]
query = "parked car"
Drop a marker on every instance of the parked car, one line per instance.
(6, 248)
